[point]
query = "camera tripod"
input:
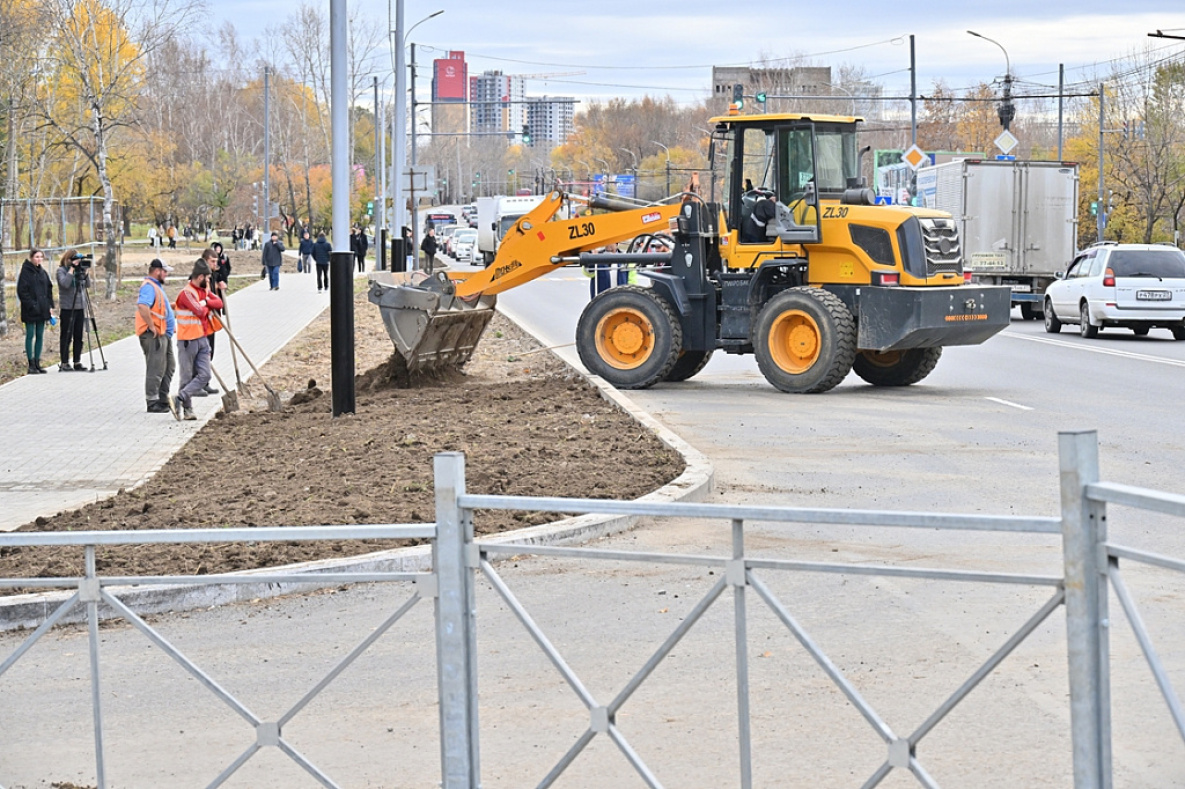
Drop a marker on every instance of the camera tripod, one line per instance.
(90, 326)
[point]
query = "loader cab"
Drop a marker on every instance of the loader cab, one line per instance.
(795, 160)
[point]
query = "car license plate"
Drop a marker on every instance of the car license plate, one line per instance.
(1154, 295)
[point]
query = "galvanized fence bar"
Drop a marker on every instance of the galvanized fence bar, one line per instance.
(908, 520)
(456, 654)
(184, 536)
(41, 630)
(1154, 559)
(744, 734)
(1137, 624)
(1141, 498)
(90, 593)
(904, 572)
(643, 557)
(1084, 535)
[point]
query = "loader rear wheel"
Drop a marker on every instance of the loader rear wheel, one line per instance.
(896, 368)
(805, 340)
(629, 336)
(688, 365)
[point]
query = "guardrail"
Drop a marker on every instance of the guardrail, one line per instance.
(1091, 565)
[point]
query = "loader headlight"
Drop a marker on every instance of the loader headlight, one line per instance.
(913, 247)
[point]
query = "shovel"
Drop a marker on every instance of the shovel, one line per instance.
(241, 385)
(230, 398)
(273, 398)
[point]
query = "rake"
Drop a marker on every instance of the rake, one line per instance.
(273, 398)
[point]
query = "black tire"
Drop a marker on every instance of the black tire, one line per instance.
(1028, 311)
(896, 368)
(1178, 332)
(1084, 327)
(805, 340)
(1140, 331)
(629, 336)
(1052, 324)
(688, 365)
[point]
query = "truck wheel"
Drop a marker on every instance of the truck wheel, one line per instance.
(896, 368)
(1084, 327)
(1028, 311)
(1178, 332)
(805, 340)
(1052, 324)
(688, 365)
(629, 336)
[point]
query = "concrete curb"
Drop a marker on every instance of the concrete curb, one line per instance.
(694, 484)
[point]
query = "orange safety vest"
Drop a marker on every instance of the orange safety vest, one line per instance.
(189, 325)
(158, 310)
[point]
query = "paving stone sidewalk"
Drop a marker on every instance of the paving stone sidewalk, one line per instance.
(74, 438)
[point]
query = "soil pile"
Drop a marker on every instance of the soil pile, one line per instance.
(526, 424)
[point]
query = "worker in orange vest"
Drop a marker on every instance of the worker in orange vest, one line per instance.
(155, 325)
(195, 320)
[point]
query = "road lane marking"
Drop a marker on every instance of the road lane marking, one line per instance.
(1143, 357)
(1009, 403)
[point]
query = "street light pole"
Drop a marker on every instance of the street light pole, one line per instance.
(668, 152)
(1006, 111)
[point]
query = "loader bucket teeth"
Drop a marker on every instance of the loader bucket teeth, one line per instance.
(431, 328)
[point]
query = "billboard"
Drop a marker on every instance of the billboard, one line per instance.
(450, 78)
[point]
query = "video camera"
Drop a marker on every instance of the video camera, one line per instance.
(83, 262)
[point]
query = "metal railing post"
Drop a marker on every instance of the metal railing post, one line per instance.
(1084, 535)
(89, 594)
(456, 637)
(737, 576)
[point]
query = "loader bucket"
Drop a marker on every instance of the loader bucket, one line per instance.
(432, 329)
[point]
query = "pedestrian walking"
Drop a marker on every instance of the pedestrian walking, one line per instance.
(156, 323)
(321, 250)
(152, 235)
(73, 282)
(195, 305)
(273, 258)
(34, 291)
(172, 234)
(359, 245)
(305, 262)
(428, 247)
(218, 286)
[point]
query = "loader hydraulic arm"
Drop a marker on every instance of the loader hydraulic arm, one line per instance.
(537, 242)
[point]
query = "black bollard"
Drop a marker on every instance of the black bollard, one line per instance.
(341, 330)
(381, 243)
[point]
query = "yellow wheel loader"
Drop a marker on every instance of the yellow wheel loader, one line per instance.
(787, 258)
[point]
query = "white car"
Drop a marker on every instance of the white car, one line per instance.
(464, 245)
(1130, 286)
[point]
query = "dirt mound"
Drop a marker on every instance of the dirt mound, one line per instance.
(527, 428)
(393, 374)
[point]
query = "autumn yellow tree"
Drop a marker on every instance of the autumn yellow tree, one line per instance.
(96, 57)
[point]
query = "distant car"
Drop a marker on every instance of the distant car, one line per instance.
(444, 234)
(1130, 286)
(464, 245)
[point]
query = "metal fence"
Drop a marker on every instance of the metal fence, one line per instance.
(52, 225)
(1091, 567)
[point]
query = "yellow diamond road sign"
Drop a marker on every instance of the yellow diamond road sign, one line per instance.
(915, 157)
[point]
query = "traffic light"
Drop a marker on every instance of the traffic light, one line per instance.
(526, 134)
(370, 208)
(738, 96)
(761, 100)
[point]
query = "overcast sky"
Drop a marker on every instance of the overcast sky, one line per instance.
(631, 49)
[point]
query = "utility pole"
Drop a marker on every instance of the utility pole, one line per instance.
(379, 196)
(913, 94)
(1101, 208)
(415, 230)
(1061, 99)
(399, 154)
(341, 260)
(264, 229)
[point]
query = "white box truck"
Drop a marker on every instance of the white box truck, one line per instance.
(496, 215)
(1018, 221)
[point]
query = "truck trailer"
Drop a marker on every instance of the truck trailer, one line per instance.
(1018, 220)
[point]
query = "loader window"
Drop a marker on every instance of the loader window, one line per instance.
(798, 170)
(758, 159)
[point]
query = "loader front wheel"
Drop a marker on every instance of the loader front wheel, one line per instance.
(896, 368)
(805, 340)
(629, 336)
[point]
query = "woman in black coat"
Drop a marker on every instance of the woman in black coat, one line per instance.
(35, 292)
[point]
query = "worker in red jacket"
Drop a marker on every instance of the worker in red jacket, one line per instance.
(195, 320)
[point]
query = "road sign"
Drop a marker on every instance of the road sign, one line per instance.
(422, 180)
(1006, 141)
(915, 157)
(1004, 157)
